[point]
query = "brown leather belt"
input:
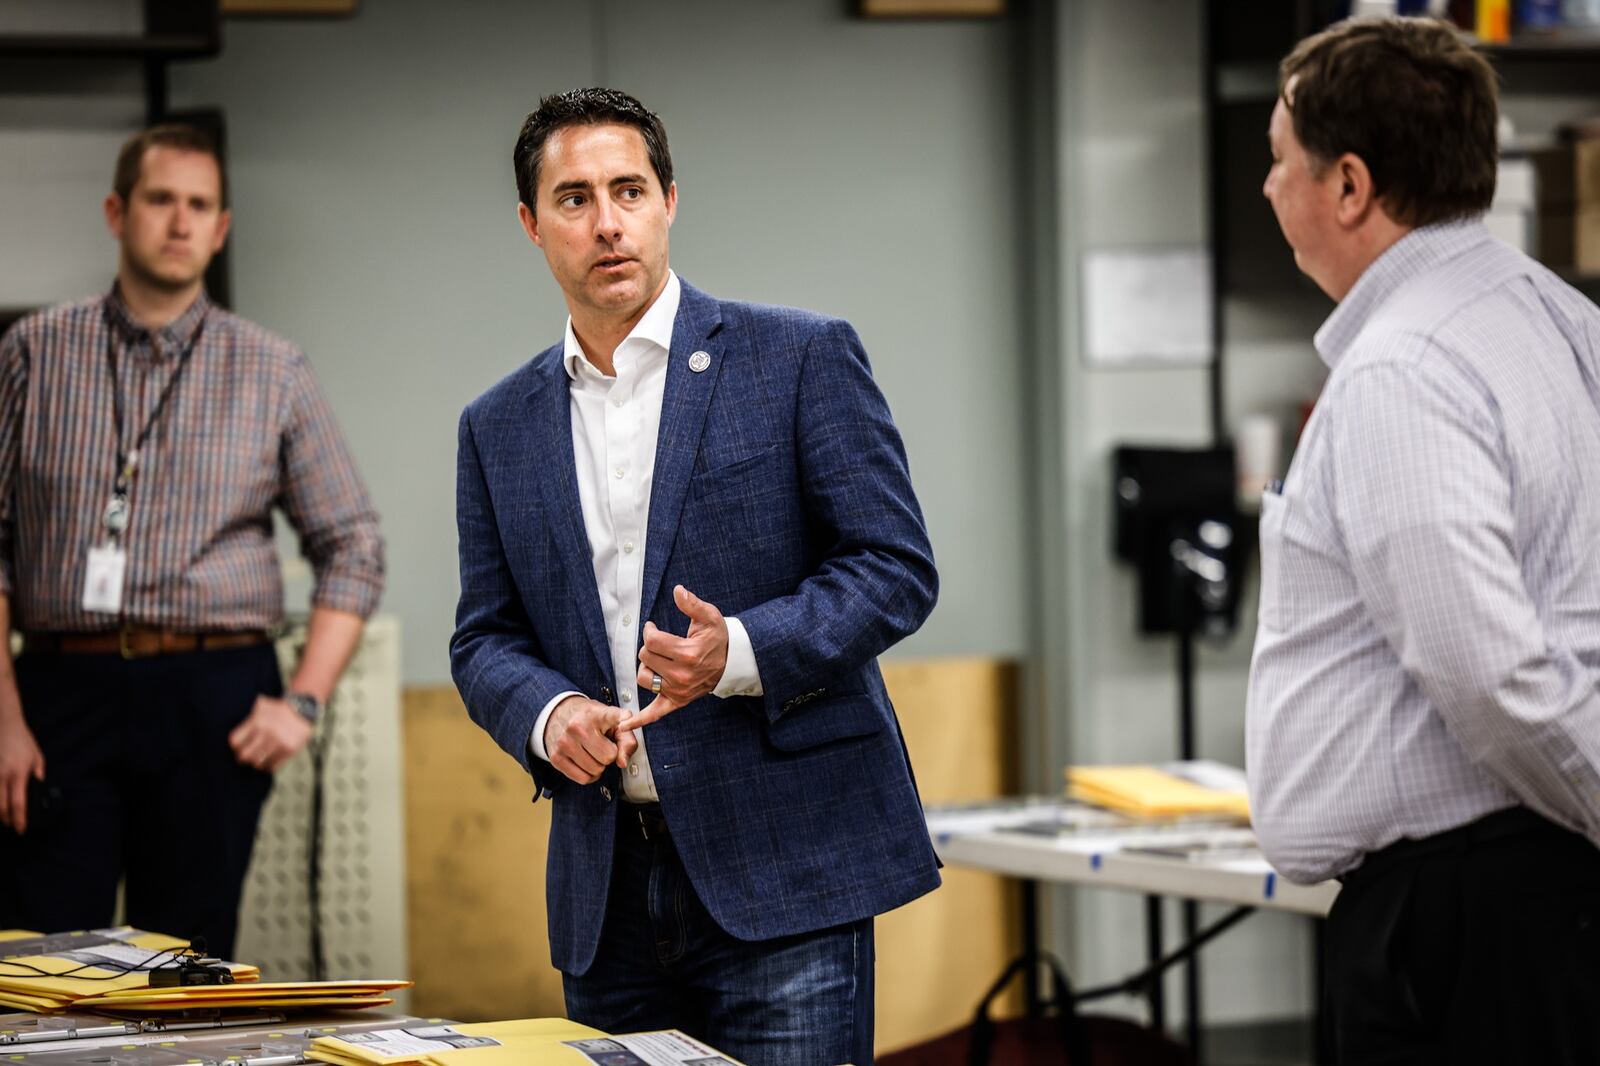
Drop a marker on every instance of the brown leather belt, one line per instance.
(138, 642)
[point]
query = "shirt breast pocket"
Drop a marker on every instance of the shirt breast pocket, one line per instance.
(1305, 576)
(1274, 512)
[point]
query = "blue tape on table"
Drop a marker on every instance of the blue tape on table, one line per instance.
(1094, 861)
(1272, 884)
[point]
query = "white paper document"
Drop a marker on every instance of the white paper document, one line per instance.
(666, 1048)
(119, 957)
(427, 1040)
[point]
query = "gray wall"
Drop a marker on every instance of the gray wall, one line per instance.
(858, 169)
(1133, 165)
(60, 127)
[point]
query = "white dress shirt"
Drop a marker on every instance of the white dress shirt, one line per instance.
(1429, 641)
(615, 422)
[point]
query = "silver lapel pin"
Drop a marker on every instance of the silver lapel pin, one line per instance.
(699, 361)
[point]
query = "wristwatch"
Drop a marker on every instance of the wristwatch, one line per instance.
(306, 705)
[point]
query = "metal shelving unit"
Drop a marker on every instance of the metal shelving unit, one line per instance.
(1579, 45)
(1243, 42)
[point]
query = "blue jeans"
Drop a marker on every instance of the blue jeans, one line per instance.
(664, 963)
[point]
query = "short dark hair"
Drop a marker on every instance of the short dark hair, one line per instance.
(1412, 100)
(130, 160)
(585, 107)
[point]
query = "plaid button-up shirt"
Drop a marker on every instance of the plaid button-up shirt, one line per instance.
(245, 429)
(1429, 641)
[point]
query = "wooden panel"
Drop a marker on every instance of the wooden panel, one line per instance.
(476, 851)
(937, 955)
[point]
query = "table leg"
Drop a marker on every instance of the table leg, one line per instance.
(1030, 944)
(1153, 952)
(1321, 1024)
(1191, 982)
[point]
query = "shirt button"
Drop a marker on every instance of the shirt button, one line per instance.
(619, 472)
(616, 401)
(627, 697)
(633, 769)
(627, 547)
(627, 619)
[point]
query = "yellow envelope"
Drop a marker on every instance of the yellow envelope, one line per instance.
(524, 1042)
(1149, 792)
(141, 1006)
(47, 976)
(36, 1004)
(262, 989)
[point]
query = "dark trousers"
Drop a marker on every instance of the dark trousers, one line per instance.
(1478, 945)
(663, 963)
(139, 784)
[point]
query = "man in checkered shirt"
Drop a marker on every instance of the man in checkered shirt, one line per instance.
(1424, 720)
(146, 437)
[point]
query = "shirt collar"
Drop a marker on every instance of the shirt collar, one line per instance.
(655, 327)
(171, 337)
(1414, 254)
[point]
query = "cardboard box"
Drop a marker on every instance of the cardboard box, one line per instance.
(1586, 242)
(1565, 177)
(1570, 242)
(1586, 173)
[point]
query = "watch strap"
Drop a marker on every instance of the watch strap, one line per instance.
(305, 704)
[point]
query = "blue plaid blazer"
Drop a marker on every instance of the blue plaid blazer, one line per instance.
(782, 495)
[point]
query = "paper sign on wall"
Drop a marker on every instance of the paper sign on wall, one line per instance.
(1143, 307)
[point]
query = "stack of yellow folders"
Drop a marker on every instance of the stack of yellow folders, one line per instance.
(528, 1042)
(1153, 792)
(255, 995)
(53, 972)
(109, 969)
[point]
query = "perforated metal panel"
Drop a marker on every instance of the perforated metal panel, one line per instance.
(363, 867)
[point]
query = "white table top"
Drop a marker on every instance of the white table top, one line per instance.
(1050, 839)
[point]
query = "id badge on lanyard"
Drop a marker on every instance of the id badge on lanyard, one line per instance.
(107, 569)
(102, 584)
(108, 561)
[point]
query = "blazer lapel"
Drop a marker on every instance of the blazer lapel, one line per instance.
(683, 417)
(553, 471)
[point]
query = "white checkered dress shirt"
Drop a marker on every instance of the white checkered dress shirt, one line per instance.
(1429, 641)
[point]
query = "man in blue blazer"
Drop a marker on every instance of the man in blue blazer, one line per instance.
(686, 532)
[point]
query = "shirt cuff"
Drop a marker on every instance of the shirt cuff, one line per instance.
(536, 738)
(354, 593)
(740, 677)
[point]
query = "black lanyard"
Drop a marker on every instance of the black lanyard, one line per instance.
(116, 516)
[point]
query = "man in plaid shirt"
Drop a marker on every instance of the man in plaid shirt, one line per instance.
(145, 437)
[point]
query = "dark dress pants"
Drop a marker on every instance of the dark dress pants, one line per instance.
(139, 784)
(1479, 945)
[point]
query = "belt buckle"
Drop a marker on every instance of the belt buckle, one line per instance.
(124, 644)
